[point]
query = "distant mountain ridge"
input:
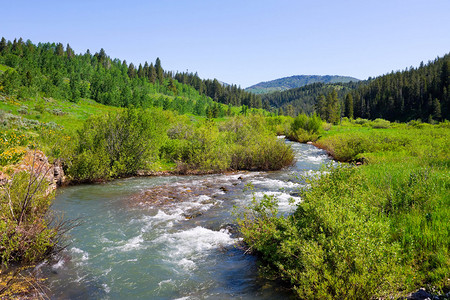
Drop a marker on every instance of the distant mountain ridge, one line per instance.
(296, 81)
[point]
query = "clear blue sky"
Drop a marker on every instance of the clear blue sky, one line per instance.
(243, 42)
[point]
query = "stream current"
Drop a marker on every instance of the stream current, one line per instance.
(169, 237)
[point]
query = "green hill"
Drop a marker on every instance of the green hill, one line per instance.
(296, 81)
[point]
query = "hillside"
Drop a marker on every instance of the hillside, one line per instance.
(296, 81)
(52, 70)
(411, 94)
(303, 99)
(414, 93)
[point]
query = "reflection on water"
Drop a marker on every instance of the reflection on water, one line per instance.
(168, 237)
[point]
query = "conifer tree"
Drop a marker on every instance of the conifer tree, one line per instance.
(3, 45)
(333, 109)
(140, 72)
(159, 71)
(349, 106)
(145, 69)
(69, 51)
(59, 49)
(131, 71)
(436, 110)
(152, 73)
(322, 106)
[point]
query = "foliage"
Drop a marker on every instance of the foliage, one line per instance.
(305, 128)
(220, 92)
(118, 144)
(11, 147)
(20, 283)
(254, 147)
(240, 144)
(379, 230)
(25, 236)
(414, 93)
(280, 125)
(50, 70)
(305, 99)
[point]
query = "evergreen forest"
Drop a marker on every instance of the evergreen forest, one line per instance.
(411, 94)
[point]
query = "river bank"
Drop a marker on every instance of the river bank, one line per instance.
(380, 230)
(128, 237)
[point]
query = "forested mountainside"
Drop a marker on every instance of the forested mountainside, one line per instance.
(304, 99)
(414, 93)
(296, 81)
(56, 71)
(229, 94)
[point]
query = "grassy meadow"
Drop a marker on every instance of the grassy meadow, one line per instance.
(380, 229)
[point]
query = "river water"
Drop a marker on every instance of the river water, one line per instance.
(169, 237)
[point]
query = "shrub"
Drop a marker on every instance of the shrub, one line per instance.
(304, 128)
(360, 121)
(119, 144)
(24, 235)
(380, 123)
(241, 143)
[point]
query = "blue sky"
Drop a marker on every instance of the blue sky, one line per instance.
(243, 42)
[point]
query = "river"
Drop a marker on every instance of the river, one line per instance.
(168, 237)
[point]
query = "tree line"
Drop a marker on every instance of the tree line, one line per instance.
(414, 93)
(220, 92)
(52, 70)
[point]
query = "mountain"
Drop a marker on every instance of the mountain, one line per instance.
(411, 94)
(304, 99)
(296, 81)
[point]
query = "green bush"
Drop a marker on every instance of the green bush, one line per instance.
(379, 230)
(304, 128)
(115, 145)
(241, 143)
(380, 123)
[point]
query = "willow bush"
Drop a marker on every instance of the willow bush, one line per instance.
(118, 144)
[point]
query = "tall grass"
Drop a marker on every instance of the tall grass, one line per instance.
(378, 230)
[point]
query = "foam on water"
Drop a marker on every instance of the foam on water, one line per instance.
(164, 249)
(58, 265)
(184, 247)
(131, 244)
(274, 183)
(79, 254)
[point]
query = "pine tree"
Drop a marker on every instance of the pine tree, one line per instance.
(437, 110)
(131, 71)
(146, 69)
(159, 71)
(349, 106)
(333, 109)
(140, 72)
(59, 49)
(322, 106)
(69, 51)
(3, 45)
(152, 73)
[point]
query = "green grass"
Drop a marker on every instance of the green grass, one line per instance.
(377, 230)
(64, 113)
